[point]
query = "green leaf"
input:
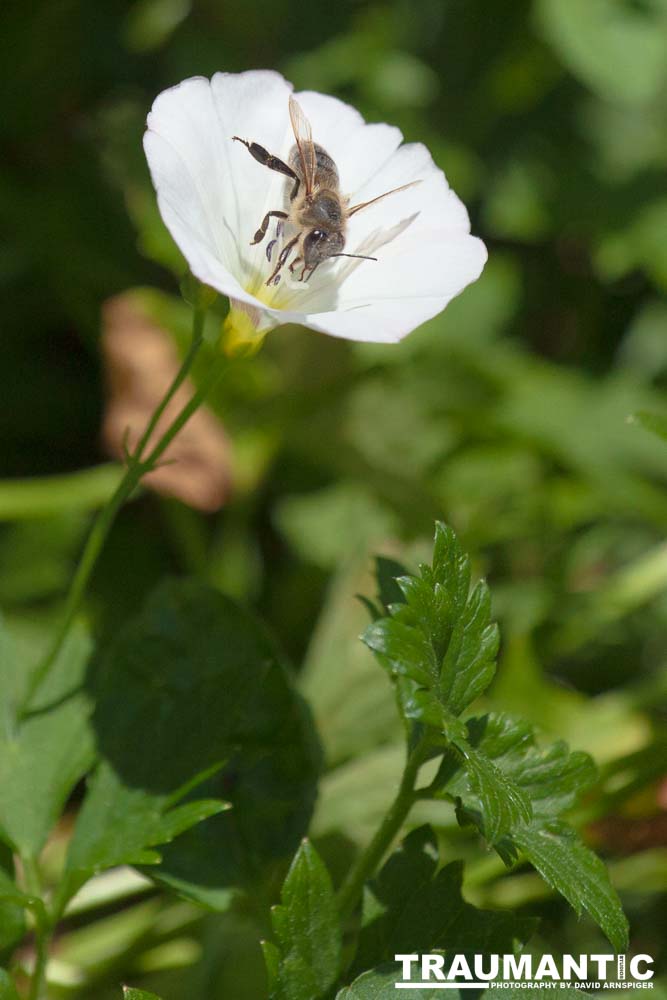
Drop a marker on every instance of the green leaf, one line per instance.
(119, 825)
(618, 49)
(551, 780)
(354, 797)
(380, 984)
(439, 635)
(533, 992)
(130, 994)
(195, 680)
(271, 955)
(503, 805)
(306, 926)
(413, 906)
(46, 754)
(327, 526)
(470, 662)
(11, 892)
(7, 989)
(13, 903)
(403, 649)
(571, 868)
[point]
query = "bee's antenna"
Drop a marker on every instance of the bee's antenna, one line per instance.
(358, 256)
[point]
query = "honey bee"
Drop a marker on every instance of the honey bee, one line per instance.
(317, 209)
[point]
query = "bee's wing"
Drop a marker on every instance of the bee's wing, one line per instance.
(303, 135)
(365, 204)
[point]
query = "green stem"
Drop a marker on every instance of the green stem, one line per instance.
(367, 862)
(197, 340)
(38, 981)
(43, 929)
(137, 468)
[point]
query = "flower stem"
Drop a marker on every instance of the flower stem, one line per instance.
(198, 318)
(137, 466)
(367, 862)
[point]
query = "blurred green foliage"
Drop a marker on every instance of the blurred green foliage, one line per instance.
(507, 416)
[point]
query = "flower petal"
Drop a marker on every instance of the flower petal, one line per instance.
(389, 318)
(213, 197)
(425, 253)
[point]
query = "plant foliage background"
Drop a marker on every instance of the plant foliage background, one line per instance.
(506, 417)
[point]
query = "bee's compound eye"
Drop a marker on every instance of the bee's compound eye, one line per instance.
(317, 235)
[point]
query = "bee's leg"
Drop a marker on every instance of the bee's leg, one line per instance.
(272, 162)
(295, 263)
(261, 232)
(282, 260)
(310, 273)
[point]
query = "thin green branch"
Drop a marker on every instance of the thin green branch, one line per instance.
(368, 861)
(137, 467)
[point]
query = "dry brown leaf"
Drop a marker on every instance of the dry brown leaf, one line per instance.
(140, 362)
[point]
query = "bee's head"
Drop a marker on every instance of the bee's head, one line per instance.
(319, 245)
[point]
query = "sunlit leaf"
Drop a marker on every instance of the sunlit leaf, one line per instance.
(306, 926)
(577, 873)
(44, 755)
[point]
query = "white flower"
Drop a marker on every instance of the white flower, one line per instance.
(213, 196)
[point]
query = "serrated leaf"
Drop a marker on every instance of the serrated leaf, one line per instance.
(271, 954)
(192, 681)
(412, 906)
(502, 803)
(119, 825)
(469, 667)
(306, 925)
(7, 989)
(405, 650)
(552, 777)
(450, 566)
(439, 635)
(420, 704)
(43, 756)
(571, 868)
